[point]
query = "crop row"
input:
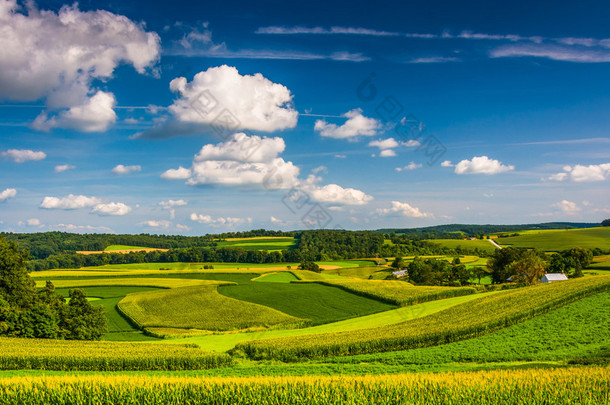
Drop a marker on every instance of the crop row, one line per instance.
(474, 318)
(534, 386)
(397, 292)
(48, 354)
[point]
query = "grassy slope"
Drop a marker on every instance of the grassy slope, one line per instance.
(320, 304)
(576, 330)
(199, 307)
(224, 342)
(281, 277)
(557, 240)
(473, 319)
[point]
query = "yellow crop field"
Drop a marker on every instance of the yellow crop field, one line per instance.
(50, 354)
(532, 386)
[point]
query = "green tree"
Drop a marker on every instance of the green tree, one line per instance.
(16, 286)
(311, 266)
(398, 263)
(529, 268)
(606, 222)
(499, 263)
(84, 321)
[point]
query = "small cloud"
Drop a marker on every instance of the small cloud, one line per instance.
(320, 169)
(481, 165)
(63, 168)
(7, 194)
(220, 221)
(411, 143)
(404, 209)
(34, 222)
(389, 143)
(23, 155)
(567, 207)
(121, 169)
(180, 173)
(276, 221)
(156, 224)
(169, 205)
(410, 166)
(387, 153)
(356, 125)
(447, 163)
(339, 156)
(183, 228)
(112, 208)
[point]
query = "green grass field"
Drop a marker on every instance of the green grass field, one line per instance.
(268, 243)
(574, 331)
(281, 277)
(482, 244)
(318, 303)
(555, 240)
(224, 342)
(200, 307)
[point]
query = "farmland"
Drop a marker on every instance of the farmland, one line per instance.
(262, 331)
(261, 243)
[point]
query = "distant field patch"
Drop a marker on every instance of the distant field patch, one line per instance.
(283, 277)
(265, 243)
(200, 307)
(482, 244)
(120, 249)
(560, 239)
(127, 282)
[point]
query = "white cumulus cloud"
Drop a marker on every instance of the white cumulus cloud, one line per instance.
(55, 57)
(581, 173)
(7, 193)
(70, 202)
(121, 169)
(220, 221)
(482, 165)
(63, 168)
(156, 224)
(355, 126)
(389, 143)
(23, 155)
(410, 166)
(112, 208)
(220, 97)
(404, 209)
(567, 207)
(180, 173)
(170, 206)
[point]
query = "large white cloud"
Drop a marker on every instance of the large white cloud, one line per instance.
(57, 57)
(242, 160)
(23, 155)
(254, 161)
(7, 193)
(404, 209)
(580, 173)
(220, 99)
(356, 125)
(70, 202)
(481, 165)
(112, 208)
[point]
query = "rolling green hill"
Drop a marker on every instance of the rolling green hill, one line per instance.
(560, 239)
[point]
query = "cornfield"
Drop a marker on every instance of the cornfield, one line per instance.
(579, 385)
(47, 354)
(474, 318)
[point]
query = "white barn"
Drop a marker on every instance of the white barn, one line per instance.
(551, 277)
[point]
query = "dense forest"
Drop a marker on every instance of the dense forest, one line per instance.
(44, 244)
(458, 231)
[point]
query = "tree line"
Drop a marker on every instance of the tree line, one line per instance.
(31, 313)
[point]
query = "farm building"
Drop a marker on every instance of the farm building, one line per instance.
(400, 273)
(550, 277)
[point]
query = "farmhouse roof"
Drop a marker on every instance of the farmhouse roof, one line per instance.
(554, 277)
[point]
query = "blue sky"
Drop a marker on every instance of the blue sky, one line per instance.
(113, 117)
